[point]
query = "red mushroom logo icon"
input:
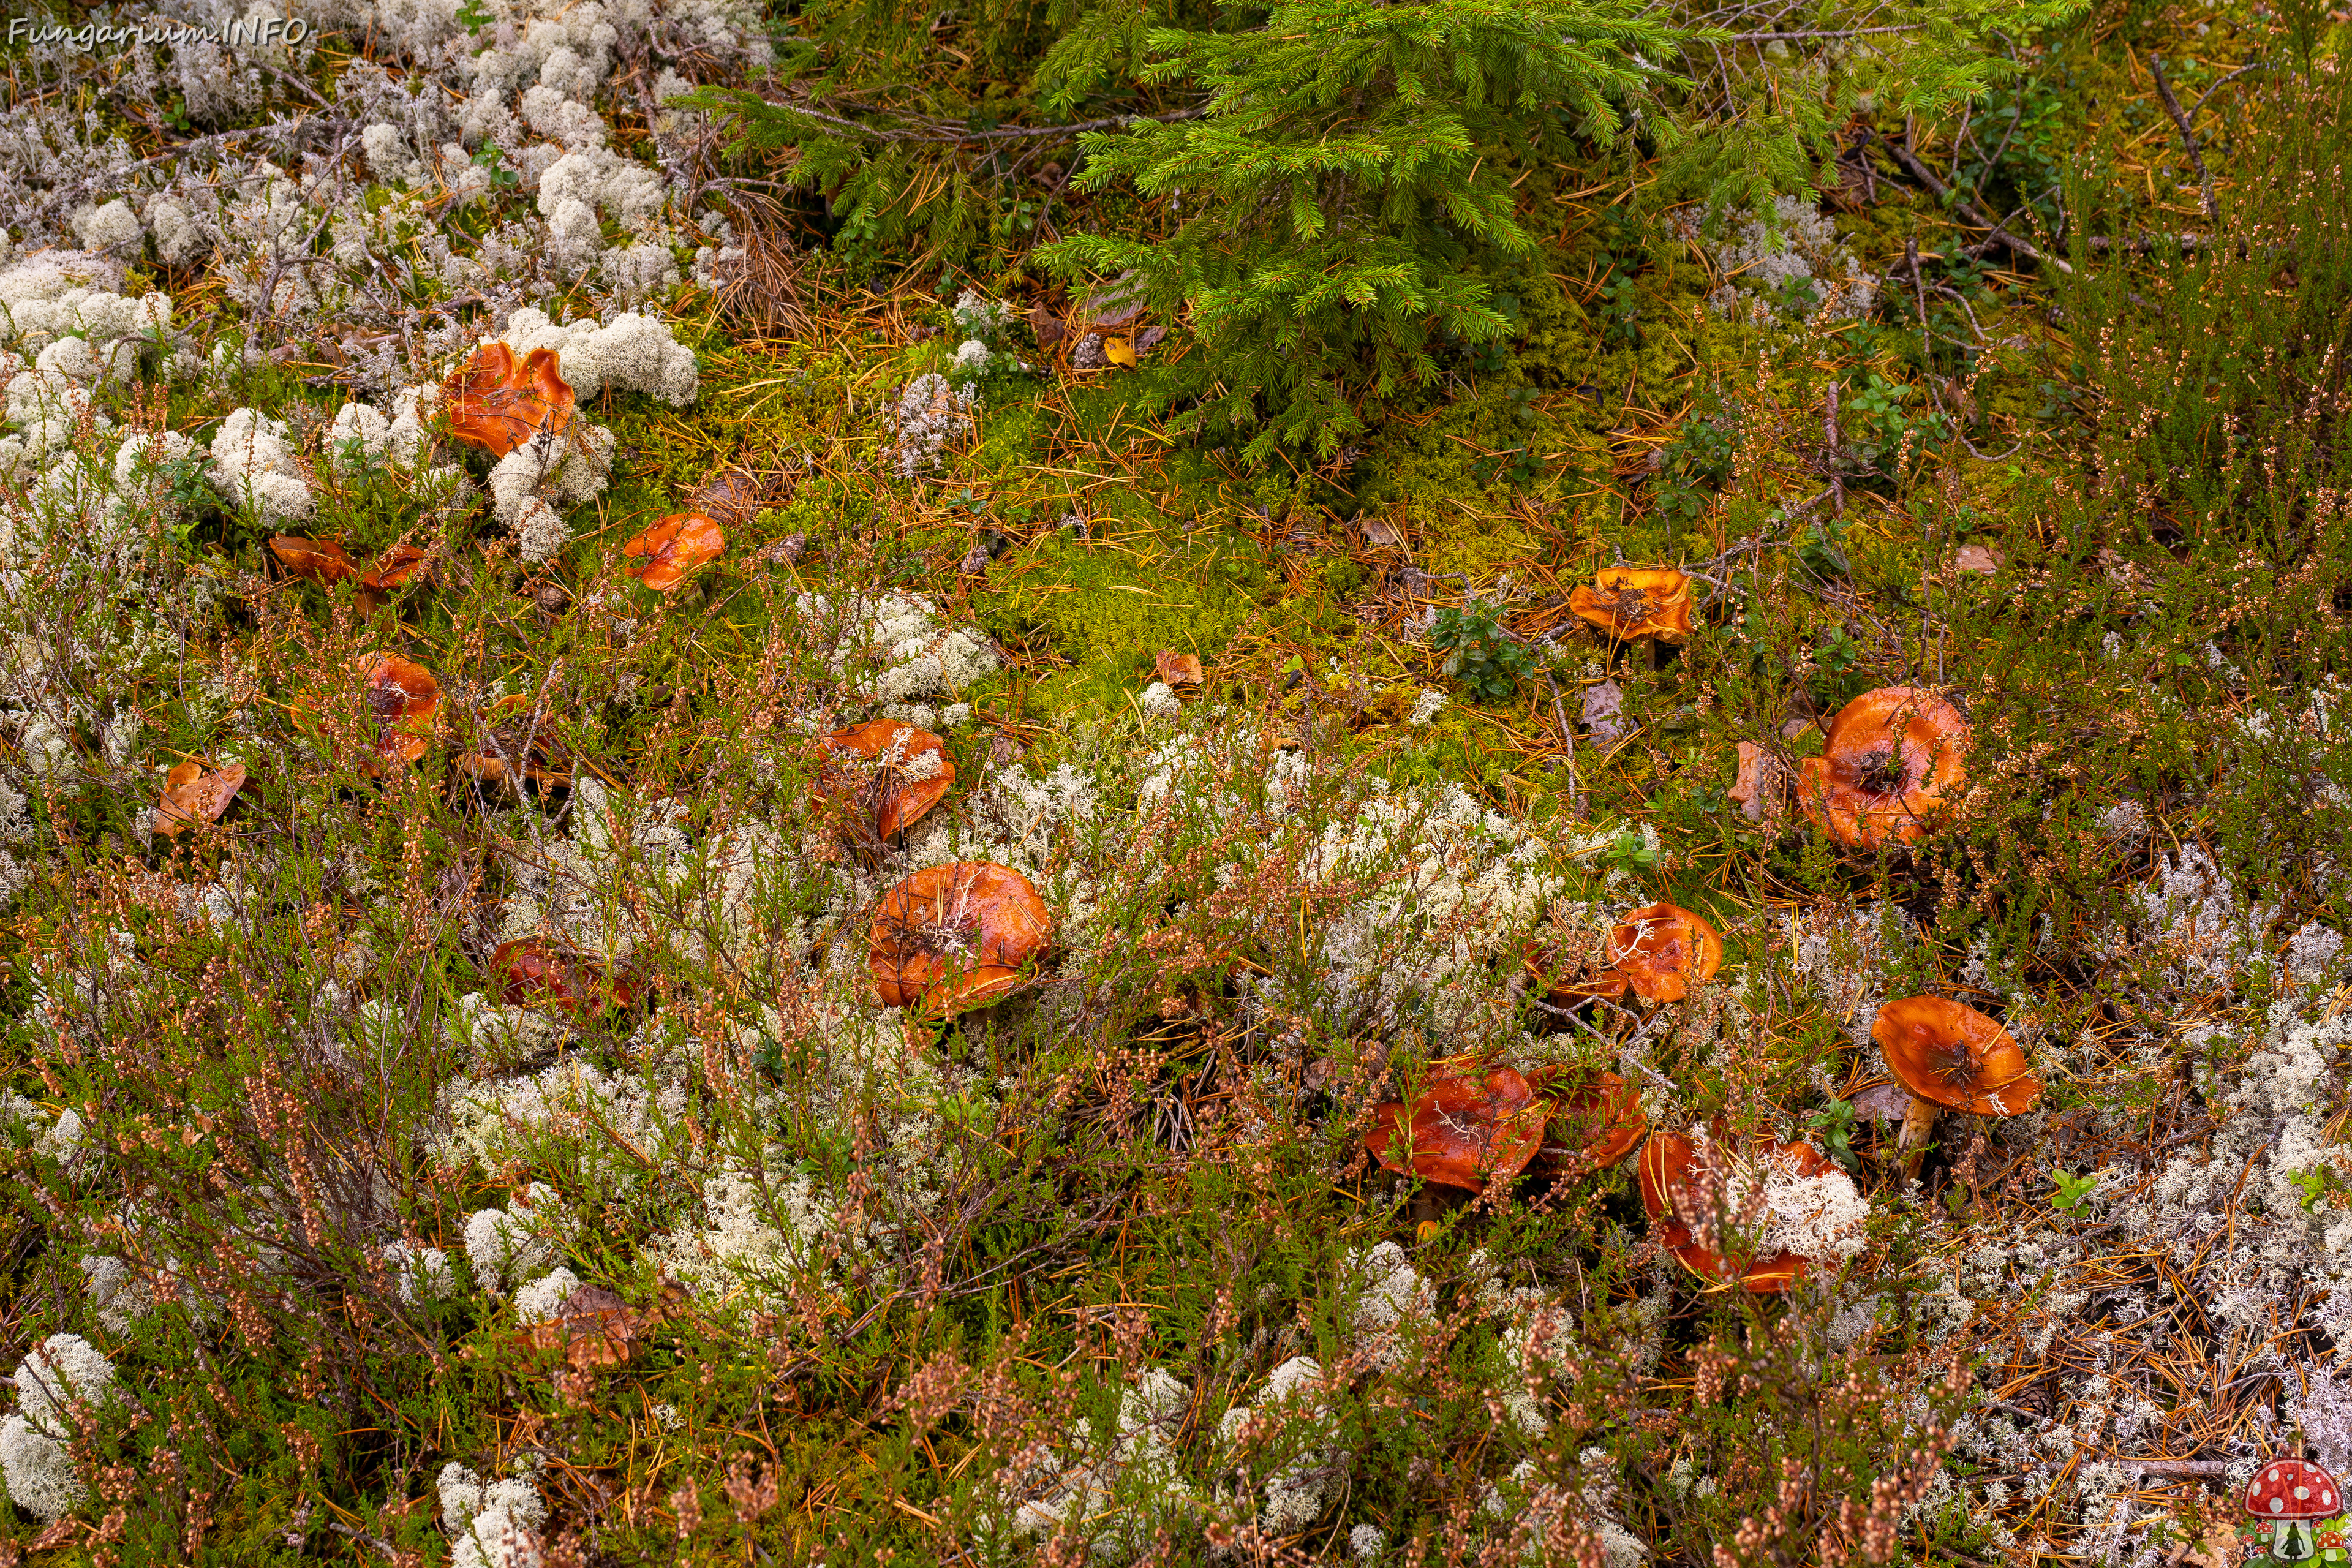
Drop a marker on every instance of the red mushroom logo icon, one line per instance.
(2292, 1497)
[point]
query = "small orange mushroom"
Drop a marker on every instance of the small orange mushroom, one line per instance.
(1664, 950)
(320, 559)
(957, 936)
(1760, 788)
(1948, 1054)
(676, 545)
(911, 772)
(1600, 1117)
(1691, 1191)
(1177, 668)
(497, 403)
(532, 973)
(1630, 602)
(1893, 760)
(1546, 967)
(192, 795)
(403, 697)
(394, 567)
(1463, 1132)
(505, 756)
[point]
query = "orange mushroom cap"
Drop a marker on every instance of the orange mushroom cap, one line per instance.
(321, 559)
(1600, 1117)
(394, 567)
(531, 973)
(1177, 668)
(1629, 602)
(1665, 950)
(1893, 760)
(1671, 1168)
(677, 545)
(403, 696)
(508, 754)
(1544, 966)
(192, 795)
(497, 403)
(893, 799)
(957, 936)
(1948, 1052)
(1464, 1131)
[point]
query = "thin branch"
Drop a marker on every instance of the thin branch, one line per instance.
(1969, 209)
(2187, 137)
(933, 132)
(1806, 38)
(2256, 65)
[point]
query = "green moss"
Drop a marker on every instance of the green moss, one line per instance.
(1107, 607)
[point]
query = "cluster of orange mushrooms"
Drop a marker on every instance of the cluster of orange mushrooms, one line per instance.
(948, 938)
(499, 403)
(1891, 760)
(403, 702)
(1476, 1124)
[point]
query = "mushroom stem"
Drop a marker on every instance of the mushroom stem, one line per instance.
(1918, 1121)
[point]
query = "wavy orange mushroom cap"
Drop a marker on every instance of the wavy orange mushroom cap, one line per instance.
(394, 567)
(497, 403)
(1893, 760)
(1544, 966)
(1664, 950)
(1949, 1055)
(192, 795)
(320, 559)
(912, 772)
(957, 936)
(1601, 1118)
(403, 696)
(1681, 1184)
(506, 755)
(677, 545)
(1463, 1132)
(1955, 1056)
(532, 973)
(1629, 602)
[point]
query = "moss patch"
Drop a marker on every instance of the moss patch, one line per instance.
(1104, 607)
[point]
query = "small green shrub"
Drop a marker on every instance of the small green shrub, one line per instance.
(1480, 655)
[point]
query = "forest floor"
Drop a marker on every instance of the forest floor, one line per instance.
(480, 1090)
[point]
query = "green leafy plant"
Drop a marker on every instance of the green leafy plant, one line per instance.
(1480, 654)
(2074, 1191)
(1631, 853)
(2315, 1185)
(1698, 461)
(1833, 1126)
(488, 159)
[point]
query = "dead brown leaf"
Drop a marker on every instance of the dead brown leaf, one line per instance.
(1178, 668)
(1881, 1102)
(597, 1327)
(192, 795)
(1761, 788)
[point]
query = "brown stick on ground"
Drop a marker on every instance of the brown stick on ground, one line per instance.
(1568, 745)
(1998, 235)
(2187, 137)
